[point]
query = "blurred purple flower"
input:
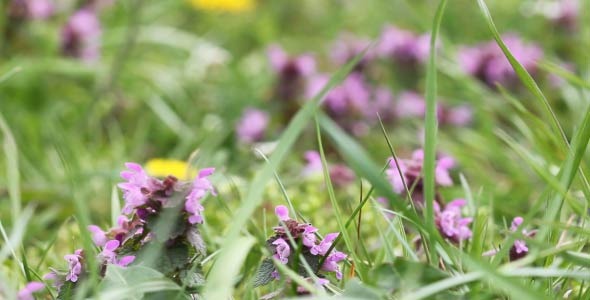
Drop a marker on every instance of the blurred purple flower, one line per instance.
(410, 105)
(291, 72)
(200, 187)
(487, 61)
(519, 249)
(403, 46)
(313, 164)
(347, 47)
(74, 265)
(564, 13)
(30, 9)
(450, 222)
(99, 237)
(252, 125)
(349, 104)
(80, 37)
(26, 293)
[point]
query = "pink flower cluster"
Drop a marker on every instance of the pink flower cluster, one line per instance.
(448, 218)
(144, 196)
(340, 174)
(282, 248)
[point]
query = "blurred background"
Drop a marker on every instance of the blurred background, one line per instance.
(88, 85)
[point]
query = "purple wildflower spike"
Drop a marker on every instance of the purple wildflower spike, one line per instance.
(450, 222)
(252, 126)
(201, 186)
(519, 249)
(80, 36)
(74, 265)
(27, 292)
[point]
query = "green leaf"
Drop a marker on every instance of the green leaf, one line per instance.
(133, 282)
(355, 289)
(196, 240)
(263, 275)
(171, 259)
(67, 291)
(192, 279)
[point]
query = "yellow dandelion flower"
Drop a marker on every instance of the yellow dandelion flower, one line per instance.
(160, 167)
(223, 5)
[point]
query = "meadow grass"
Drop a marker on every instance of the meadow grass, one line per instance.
(163, 89)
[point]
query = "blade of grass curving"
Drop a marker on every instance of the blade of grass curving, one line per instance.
(337, 213)
(10, 73)
(115, 206)
(529, 83)
(12, 242)
(255, 191)
(231, 263)
(280, 183)
(567, 173)
(565, 74)
(12, 170)
(431, 127)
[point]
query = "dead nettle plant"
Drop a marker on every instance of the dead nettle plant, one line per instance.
(157, 231)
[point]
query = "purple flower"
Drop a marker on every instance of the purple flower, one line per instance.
(313, 164)
(411, 170)
(109, 256)
(137, 188)
(450, 222)
(349, 46)
(291, 72)
(383, 104)
(99, 237)
(27, 292)
(324, 245)
(564, 13)
(519, 249)
(410, 105)
(31, 9)
(458, 116)
(282, 250)
(74, 265)
(404, 47)
(58, 280)
(80, 37)
(308, 236)
(252, 125)
(331, 263)
(282, 212)
(488, 63)
(201, 186)
(349, 104)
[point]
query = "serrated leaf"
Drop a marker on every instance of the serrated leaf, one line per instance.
(194, 238)
(67, 291)
(166, 225)
(264, 273)
(192, 279)
(171, 259)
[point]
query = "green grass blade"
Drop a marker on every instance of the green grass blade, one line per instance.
(431, 127)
